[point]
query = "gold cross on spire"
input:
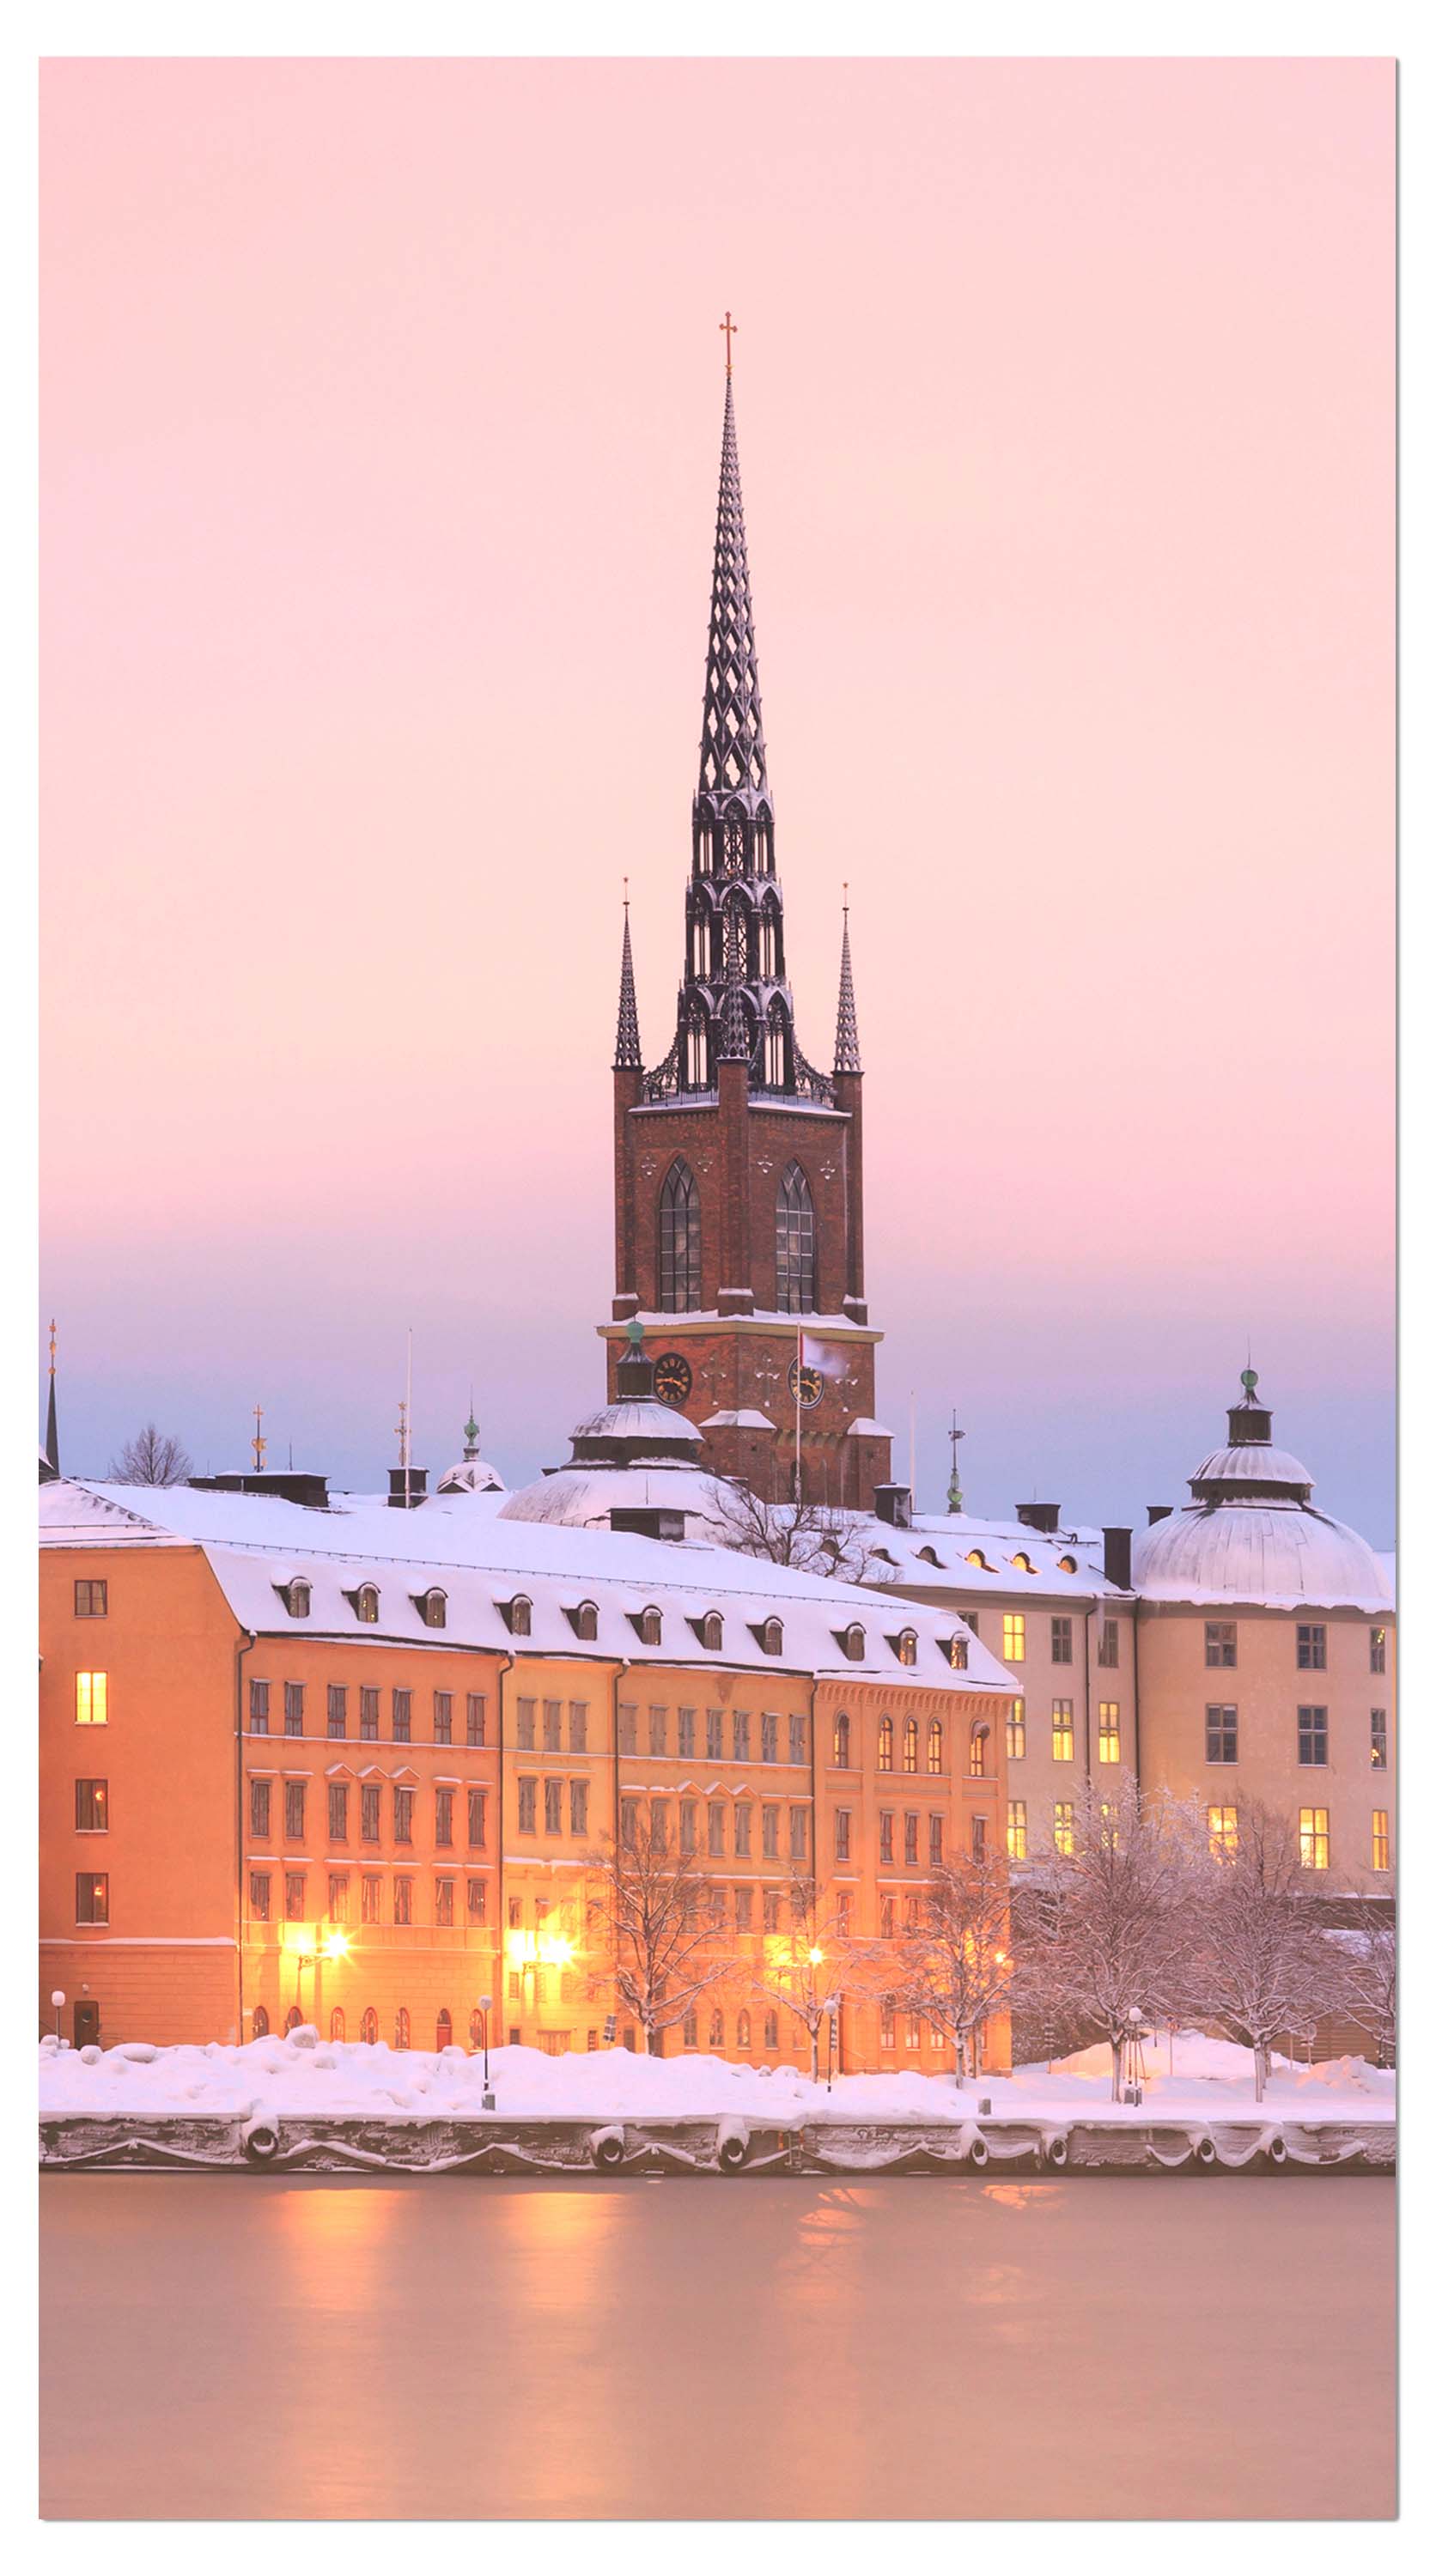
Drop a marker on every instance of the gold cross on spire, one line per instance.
(259, 1443)
(728, 326)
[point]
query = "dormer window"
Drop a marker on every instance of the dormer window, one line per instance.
(955, 1649)
(649, 1624)
(1067, 1565)
(295, 1597)
(904, 1645)
(928, 1556)
(769, 1634)
(433, 1606)
(1023, 1562)
(584, 1622)
(518, 1615)
(366, 1604)
(853, 1640)
(976, 1557)
(709, 1631)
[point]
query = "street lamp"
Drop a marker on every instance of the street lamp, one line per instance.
(831, 2009)
(485, 2007)
(58, 2001)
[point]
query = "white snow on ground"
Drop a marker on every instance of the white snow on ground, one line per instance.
(303, 2075)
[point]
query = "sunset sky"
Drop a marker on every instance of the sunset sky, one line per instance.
(381, 414)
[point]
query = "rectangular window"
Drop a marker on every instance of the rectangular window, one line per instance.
(1311, 1648)
(887, 2023)
(528, 1726)
(92, 1897)
(338, 1896)
(658, 1730)
(477, 1907)
(843, 1834)
(403, 1815)
(714, 1725)
(1062, 1832)
(259, 1809)
(369, 1812)
(797, 1833)
(1311, 1735)
(770, 1833)
(92, 1699)
(743, 1832)
(887, 1917)
(259, 1896)
(259, 1708)
(1109, 1731)
(92, 1601)
(885, 1834)
(478, 1819)
(403, 1900)
(1221, 1831)
(294, 1708)
(1062, 1641)
(294, 1896)
(627, 1727)
(688, 1824)
(969, 1620)
(772, 1910)
(1221, 1733)
(553, 1726)
(403, 1716)
(553, 1806)
(1107, 1634)
(476, 1715)
(742, 1909)
(443, 1816)
(687, 1734)
(768, 1737)
(1017, 1829)
(741, 1735)
(1378, 1650)
(717, 1841)
(528, 1806)
(337, 1715)
(578, 1807)
(368, 1714)
(1062, 1736)
(92, 1806)
(369, 1899)
(338, 1811)
(797, 1737)
(1315, 1837)
(1380, 1838)
(934, 1842)
(444, 1903)
(979, 1838)
(294, 1811)
(1378, 1739)
(909, 1840)
(1221, 1645)
(911, 2031)
(628, 1824)
(578, 1726)
(443, 1717)
(1014, 1636)
(1016, 1729)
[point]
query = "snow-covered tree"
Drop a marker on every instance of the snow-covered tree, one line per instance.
(152, 1457)
(652, 1906)
(1265, 1969)
(812, 1963)
(804, 1534)
(1368, 1951)
(956, 1966)
(1108, 1926)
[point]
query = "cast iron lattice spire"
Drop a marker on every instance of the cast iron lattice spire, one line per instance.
(731, 759)
(627, 1052)
(846, 1058)
(52, 1421)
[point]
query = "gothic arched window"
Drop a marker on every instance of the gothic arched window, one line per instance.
(696, 1051)
(679, 1283)
(770, 963)
(797, 1285)
(776, 1049)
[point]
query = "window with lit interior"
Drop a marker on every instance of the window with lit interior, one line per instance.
(679, 1247)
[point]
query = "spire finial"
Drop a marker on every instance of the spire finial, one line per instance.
(954, 1487)
(627, 1052)
(732, 762)
(52, 1420)
(847, 1057)
(52, 1346)
(259, 1443)
(728, 326)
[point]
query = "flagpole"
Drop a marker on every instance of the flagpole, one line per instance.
(798, 1425)
(408, 1410)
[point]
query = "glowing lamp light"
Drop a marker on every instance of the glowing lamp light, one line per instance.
(335, 1946)
(815, 1958)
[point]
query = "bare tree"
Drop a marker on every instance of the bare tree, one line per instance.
(957, 1966)
(1368, 1950)
(152, 1457)
(1109, 1933)
(1265, 1969)
(654, 1910)
(806, 1535)
(813, 1963)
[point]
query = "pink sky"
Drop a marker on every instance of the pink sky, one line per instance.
(381, 423)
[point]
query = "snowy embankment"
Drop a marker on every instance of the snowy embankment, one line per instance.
(302, 2077)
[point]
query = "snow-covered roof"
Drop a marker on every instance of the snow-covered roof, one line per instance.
(583, 1496)
(1280, 1555)
(481, 1560)
(742, 1417)
(640, 1418)
(471, 1476)
(938, 1548)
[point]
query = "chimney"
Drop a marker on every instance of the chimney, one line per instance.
(893, 1504)
(416, 1477)
(1040, 1516)
(286, 1484)
(1158, 1512)
(1117, 1558)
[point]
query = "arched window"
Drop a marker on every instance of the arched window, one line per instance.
(366, 1604)
(855, 1644)
(679, 1284)
(745, 2030)
(584, 1621)
(934, 1744)
(690, 2030)
(650, 1626)
(770, 2030)
(433, 1607)
(797, 1277)
(696, 1050)
(909, 1744)
(710, 1632)
(770, 1636)
(842, 1738)
(444, 2028)
(734, 852)
(293, 2018)
(976, 1557)
(261, 2022)
(295, 1596)
(977, 1748)
(401, 2027)
(775, 1047)
(1023, 1562)
(701, 940)
(519, 1615)
(1067, 1564)
(715, 2027)
(905, 1646)
(885, 1745)
(770, 962)
(336, 2022)
(369, 2027)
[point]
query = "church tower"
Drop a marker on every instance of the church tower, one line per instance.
(738, 1182)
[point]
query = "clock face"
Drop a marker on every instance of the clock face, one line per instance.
(672, 1377)
(804, 1385)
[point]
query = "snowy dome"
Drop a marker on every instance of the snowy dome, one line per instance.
(1254, 1468)
(471, 1476)
(582, 1497)
(1252, 1533)
(637, 1422)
